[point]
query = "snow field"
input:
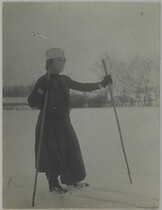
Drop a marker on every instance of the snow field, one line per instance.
(102, 153)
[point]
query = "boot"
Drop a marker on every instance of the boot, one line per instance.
(81, 184)
(54, 185)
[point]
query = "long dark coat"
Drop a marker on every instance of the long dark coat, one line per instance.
(59, 135)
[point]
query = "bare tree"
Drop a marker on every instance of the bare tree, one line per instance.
(133, 80)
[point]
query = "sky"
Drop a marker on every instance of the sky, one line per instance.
(85, 30)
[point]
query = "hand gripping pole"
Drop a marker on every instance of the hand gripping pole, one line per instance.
(120, 134)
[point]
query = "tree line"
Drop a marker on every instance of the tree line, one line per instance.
(135, 83)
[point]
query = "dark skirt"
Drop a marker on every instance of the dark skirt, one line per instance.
(60, 151)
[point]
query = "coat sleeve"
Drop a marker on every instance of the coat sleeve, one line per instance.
(35, 99)
(82, 86)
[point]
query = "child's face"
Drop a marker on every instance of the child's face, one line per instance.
(57, 65)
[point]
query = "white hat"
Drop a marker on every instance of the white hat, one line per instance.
(54, 53)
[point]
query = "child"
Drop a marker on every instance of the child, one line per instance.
(60, 151)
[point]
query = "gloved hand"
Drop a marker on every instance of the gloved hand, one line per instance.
(107, 80)
(40, 91)
(45, 87)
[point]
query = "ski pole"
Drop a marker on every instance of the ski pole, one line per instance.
(120, 134)
(40, 140)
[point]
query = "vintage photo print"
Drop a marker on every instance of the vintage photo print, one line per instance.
(81, 104)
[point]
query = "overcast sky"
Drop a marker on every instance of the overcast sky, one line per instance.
(84, 30)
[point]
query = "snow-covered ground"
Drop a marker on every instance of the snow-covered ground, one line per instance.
(101, 149)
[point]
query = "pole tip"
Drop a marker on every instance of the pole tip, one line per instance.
(33, 204)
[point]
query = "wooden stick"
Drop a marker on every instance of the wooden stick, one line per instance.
(40, 141)
(120, 134)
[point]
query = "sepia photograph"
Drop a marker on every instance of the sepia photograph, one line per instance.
(81, 105)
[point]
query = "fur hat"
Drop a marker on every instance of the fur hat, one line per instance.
(54, 53)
